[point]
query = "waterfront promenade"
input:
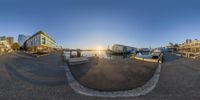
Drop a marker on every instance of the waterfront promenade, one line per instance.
(23, 77)
(116, 74)
(179, 80)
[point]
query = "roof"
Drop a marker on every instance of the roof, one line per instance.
(40, 32)
(123, 45)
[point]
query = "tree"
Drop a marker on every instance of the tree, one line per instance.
(15, 46)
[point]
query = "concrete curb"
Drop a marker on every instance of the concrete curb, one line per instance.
(149, 86)
(80, 60)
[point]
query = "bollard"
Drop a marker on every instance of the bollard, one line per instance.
(78, 53)
(160, 60)
(70, 53)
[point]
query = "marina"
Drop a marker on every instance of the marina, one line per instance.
(113, 74)
(99, 50)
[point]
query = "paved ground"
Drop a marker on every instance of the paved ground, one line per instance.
(26, 78)
(22, 77)
(179, 80)
(113, 74)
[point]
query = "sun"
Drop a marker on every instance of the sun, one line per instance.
(99, 50)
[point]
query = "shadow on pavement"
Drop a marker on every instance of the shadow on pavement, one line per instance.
(13, 73)
(113, 75)
(77, 73)
(168, 57)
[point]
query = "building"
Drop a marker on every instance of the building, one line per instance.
(10, 40)
(5, 47)
(40, 41)
(117, 48)
(190, 48)
(2, 38)
(172, 47)
(5, 44)
(144, 50)
(22, 38)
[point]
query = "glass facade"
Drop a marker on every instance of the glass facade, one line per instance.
(22, 38)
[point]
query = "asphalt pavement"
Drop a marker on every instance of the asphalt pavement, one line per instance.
(23, 77)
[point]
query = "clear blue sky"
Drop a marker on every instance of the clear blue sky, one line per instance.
(92, 23)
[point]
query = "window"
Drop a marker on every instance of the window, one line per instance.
(43, 40)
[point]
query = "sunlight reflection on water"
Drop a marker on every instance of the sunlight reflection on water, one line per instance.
(98, 53)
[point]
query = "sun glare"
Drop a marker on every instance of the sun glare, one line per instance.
(99, 50)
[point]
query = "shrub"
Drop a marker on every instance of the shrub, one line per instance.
(15, 46)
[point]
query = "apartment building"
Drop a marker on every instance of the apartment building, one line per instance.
(41, 41)
(190, 48)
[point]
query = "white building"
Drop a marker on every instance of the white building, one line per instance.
(41, 41)
(190, 48)
(117, 48)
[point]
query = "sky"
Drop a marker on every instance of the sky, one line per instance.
(102, 23)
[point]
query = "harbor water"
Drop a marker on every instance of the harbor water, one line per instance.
(100, 54)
